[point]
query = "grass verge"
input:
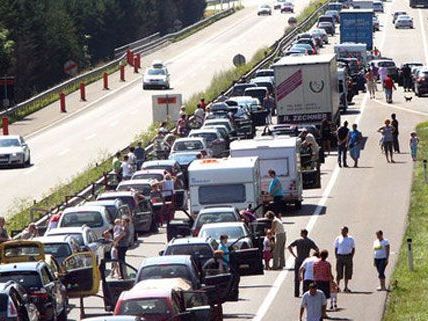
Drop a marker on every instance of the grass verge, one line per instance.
(407, 301)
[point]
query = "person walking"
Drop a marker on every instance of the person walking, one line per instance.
(268, 103)
(354, 144)
(381, 249)
(303, 246)
(322, 274)
(371, 83)
(387, 132)
(307, 270)
(375, 71)
(315, 303)
(140, 155)
(383, 73)
(342, 144)
(276, 191)
(279, 233)
(388, 85)
(406, 75)
(127, 168)
(413, 144)
(344, 249)
(395, 142)
(123, 240)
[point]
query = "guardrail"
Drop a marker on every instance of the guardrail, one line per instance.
(118, 52)
(95, 187)
(141, 47)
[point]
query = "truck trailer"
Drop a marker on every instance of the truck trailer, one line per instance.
(356, 25)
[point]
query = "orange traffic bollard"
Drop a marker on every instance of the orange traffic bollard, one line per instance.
(138, 60)
(82, 92)
(5, 125)
(105, 81)
(122, 73)
(62, 102)
(136, 65)
(130, 57)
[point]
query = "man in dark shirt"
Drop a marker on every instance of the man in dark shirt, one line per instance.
(406, 73)
(303, 246)
(140, 154)
(395, 142)
(342, 148)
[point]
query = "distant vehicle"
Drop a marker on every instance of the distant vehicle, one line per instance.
(215, 142)
(157, 76)
(327, 18)
(258, 92)
(220, 121)
(238, 233)
(396, 14)
(158, 174)
(308, 41)
(14, 151)
(389, 64)
(239, 88)
(334, 14)
(60, 247)
(195, 144)
(309, 49)
(421, 82)
(15, 304)
(335, 6)
(320, 33)
(215, 214)
(376, 24)
(404, 21)
(317, 39)
(263, 73)
(327, 26)
(287, 7)
(296, 51)
(170, 166)
(143, 186)
(249, 103)
(278, 4)
(378, 6)
(264, 10)
(418, 3)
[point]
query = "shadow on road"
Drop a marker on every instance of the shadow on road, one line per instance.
(244, 316)
(255, 286)
(306, 210)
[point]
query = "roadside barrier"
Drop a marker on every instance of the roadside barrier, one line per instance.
(5, 125)
(105, 81)
(82, 92)
(62, 102)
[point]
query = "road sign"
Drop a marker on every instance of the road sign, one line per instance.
(70, 68)
(166, 107)
(239, 60)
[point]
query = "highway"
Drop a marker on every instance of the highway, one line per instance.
(374, 196)
(66, 148)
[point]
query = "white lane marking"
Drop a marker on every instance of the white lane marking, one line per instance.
(423, 33)
(92, 136)
(63, 152)
(32, 169)
(401, 108)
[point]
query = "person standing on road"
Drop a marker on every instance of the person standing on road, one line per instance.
(342, 144)
(413, 143)
(4, 236)
(307, 270)
(279, 233)
(117, 166)
(395, 141)
(322, 273)
(406, 73)
(225, 248)
(123, 240)
(269, 104)
(383, 73)
(140, 154)
(381, 256)
(276, 191)
(371, 83)
(326, 135)
(354, 144)
(388, 85)
(387, 132)
(315, 303)
(127, 168)
(303, 246)
(344, 248)
(375, 71)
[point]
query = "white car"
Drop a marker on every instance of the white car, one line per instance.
(278, 4)
(157, 76)
(404, 21)
(190, 145)
(237, 232)
(14, 151)
(213, 138)
(264, 10)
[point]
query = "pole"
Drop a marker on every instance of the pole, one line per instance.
(62, 102)
(82, 92)
(5, 125)
(410, 255)
(135, 65)
(425, 171)
(122, 73)
(105, 81)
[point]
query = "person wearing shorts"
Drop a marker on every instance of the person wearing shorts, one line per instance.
(387, 132)
(344, 248)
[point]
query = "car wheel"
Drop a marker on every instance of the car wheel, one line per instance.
(28, 162)
(417, 93)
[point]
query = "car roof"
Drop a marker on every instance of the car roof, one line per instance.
(203, 130)
(104, 202)
(53, 239)
(67, 230)
(156, 288)
(187, 139)
(217, 209)
(117, 194)
(262, 79)
(189, 240)
(168, 259)
(138, 181)
(159, 162)
(223, 225)
(91, 208)
(10, 136)
(149, 171)
(21, 266)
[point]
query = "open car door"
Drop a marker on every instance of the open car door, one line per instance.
(218, 286)
(82, 277)
(311, 173)
(203, 304)
(247, 261)
(21, 251)
(112, 285)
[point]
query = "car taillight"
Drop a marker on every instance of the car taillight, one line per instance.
(39, 294)
(117, 307)
(11, 309)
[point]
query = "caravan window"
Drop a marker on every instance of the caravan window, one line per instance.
(222, 194)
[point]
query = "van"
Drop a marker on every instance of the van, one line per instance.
(326, 18)
(335, 6)
(228, 181)
(257, 92)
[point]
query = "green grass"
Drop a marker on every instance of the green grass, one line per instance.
(408, 300)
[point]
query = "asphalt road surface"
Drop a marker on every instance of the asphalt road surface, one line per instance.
(371, 197)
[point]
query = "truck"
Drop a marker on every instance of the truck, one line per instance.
(227, 181)
(282, 154)
(356, 25)
(352, 50)
(307, 89)
(418, 3)
(362, 4)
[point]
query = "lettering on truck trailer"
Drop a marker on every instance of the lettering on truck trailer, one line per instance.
(306, 117)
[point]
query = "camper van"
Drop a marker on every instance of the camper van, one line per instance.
(227, 181)
(282, 154)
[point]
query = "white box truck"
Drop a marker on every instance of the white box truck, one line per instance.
(282, 154)
(307, 89)
(226, 181)
(352, 50)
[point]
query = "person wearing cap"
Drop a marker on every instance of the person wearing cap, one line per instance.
(215, 265)
(29, 232)
(315, 304)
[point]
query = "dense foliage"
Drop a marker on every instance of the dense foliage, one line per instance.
(38, 37)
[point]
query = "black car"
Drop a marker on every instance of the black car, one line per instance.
(45, 291)
(421, 82)
(239, 88)
(14, 303)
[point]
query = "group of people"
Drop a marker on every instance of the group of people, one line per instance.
(161, 197)
(124, 167)
(120, 239)
(373, 74)
(351, 140)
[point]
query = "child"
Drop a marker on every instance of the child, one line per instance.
(115, 271)
(268, 245)
(414, 141)
(333, 295)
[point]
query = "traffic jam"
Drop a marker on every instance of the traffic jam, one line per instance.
(207, 185)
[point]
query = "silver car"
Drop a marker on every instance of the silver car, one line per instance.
(14, 151)
(157, 76)
(404, 21)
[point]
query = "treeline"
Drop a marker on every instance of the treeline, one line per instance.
(38, 36)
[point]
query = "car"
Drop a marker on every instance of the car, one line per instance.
(239, 88)
(389, 64)
(168, 165)
(214, 141)
(309, 49)
(221, 129)
(318, 41)
(60, 246)
(277, 4)
(396, 14)
(221, 121)
(376, 24)
(14, 151)
(164, 300)
(46, 292)
(264, 73)
(114, 318)
(378, 6)
(190, 144)
(215, 214)
(404, 21)
(327, 18)
(335, 6)
(320, 33)
(297, 51)
(308, 41)
(142, 215)
(96, 217)
(238, 233)
(250, 104)
(15, 304)
(287, 7)
(413, 67)
(334, 13)
(159, 175)
(264, 10)
(116, 207)
(267, 82)
(157, 76)
(421, 82)
(258, 92)
(327, 26)
(142, 186)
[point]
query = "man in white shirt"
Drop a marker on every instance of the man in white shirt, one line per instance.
(344, 248)
(306, 271)
(315, 303)
(381, 250)
(127, 168)
(199, 115)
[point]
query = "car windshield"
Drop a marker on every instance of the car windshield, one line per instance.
(233, 232)
(188, 145)
(77, 236)
(142, 188)
(190, 249)
(205, 218)
(58, 250)
(145, 307)
(128, 200)
(325, 19)
(9, 142)
(209, 137)
(164, 271)
(168, 168)
(77, 219)
(221, 194)
(28, 279)
(404, 18)
(156, 72)
(158, 177)
(386, 64)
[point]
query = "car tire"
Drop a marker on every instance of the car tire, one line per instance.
(28, 162)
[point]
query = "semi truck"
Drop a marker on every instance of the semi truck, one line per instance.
(356, 25)
(307, 89)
